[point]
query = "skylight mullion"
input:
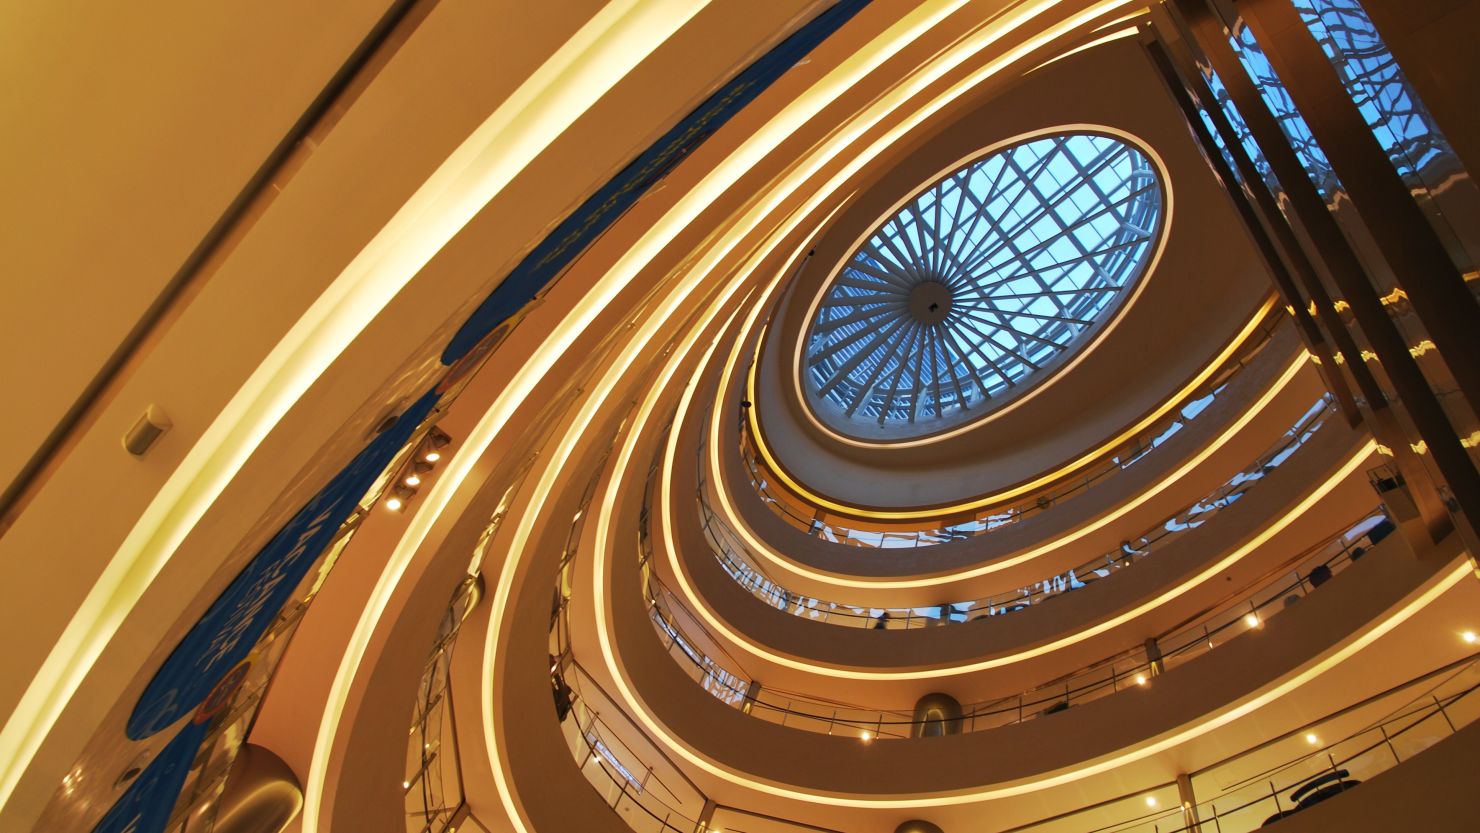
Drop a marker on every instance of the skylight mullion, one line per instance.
(987, 336)
(852, 362)
(1006, 326)
(1051, 240)
(829, 350)
(919, 385)
(951, 369)
(890, 345)
(996, 368)
(901, 281)
(1028, 222)
(1066, 231)
(904, 359)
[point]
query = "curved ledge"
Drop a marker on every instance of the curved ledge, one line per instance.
(1352, 611)
(1031, 436)
(1264, 400)
(1295, 507)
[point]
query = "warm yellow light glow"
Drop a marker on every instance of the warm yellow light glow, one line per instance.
(1252, 620)
(1127, 32)
(1140, 679)
(394, 504)
(1081, 353)
(1469, 636)
(866, 736)
(1233, 711)
(432, 456)
(601, 53)
(413, 480)
(1310, 738)
(761, 549)
(1141, 12)
(1150, 801)
(1098, 453)
(718, 625)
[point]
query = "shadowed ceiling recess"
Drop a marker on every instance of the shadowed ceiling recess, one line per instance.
(986, 277)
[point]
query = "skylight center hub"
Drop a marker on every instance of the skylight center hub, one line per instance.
(930, 302)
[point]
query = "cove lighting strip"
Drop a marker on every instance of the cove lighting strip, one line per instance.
(600, 54)
(1021, 489)
(804, 108)
(795, 568)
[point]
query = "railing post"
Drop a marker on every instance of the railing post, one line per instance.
(1154, 657)
(1445, 713)
(706, 816)
(1188, 799)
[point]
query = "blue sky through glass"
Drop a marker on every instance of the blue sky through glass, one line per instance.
(982, 279)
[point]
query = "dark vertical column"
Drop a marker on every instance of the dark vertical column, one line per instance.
(1372, 401)
(1434, 43)
(1276, 253)
(1343, 267)
(1413, 251)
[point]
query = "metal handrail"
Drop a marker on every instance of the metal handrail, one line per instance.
(807, 517)
(734, 556)
(1128, 669)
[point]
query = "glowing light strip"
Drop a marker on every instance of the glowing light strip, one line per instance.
(1202, 727)
(908, 28)
(652, 327)
(997, 497)
(853, 673)
(599, 55)
(1141, 12)
(795, 568)
(1116, 35)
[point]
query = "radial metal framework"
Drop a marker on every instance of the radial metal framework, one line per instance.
(984, 278)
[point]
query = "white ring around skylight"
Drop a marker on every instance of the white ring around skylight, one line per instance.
(980, 285)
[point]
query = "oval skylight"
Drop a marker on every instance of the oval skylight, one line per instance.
(983, 282)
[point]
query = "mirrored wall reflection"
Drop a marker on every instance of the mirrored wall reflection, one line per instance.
(1408, 133)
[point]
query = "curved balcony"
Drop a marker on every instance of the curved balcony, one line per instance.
(1300, 643)
(1255, 407)
(734, 556)
(819, 521)
(1318, 486)
(690, 645)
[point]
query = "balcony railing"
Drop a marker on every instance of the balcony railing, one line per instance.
(1301, 768)
(737, 560)
(814, 520)
(685, 638)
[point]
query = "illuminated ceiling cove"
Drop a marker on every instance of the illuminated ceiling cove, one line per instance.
(980, 284)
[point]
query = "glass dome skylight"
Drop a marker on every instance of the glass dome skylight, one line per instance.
(983, 279)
